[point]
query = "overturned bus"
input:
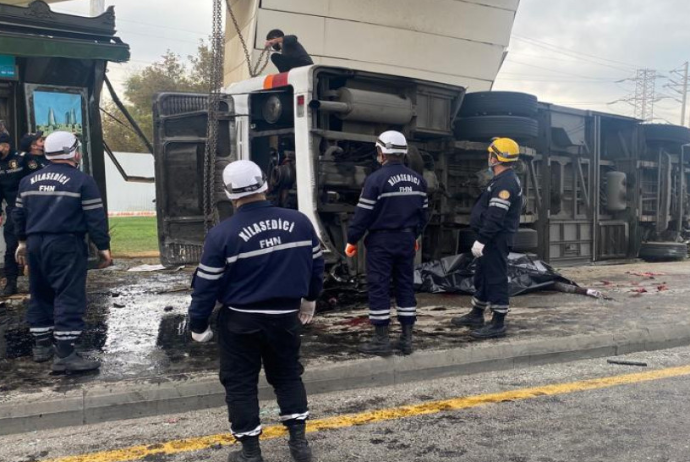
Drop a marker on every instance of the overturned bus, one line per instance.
(596, 186)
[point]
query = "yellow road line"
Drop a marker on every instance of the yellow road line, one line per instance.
(331, 423)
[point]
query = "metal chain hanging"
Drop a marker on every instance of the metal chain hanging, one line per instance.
(262, 62)
(214, 95)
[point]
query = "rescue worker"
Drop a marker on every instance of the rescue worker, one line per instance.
(12, 170)
(291, 53)
(495, 219)
(32, 147)
(56, 207)
(393, 209)
(264, 265)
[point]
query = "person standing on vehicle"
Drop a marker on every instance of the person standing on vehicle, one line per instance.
(291, 53)
(56, 207)
(265, 266)
(32, 147)
(12, 171)
(393, 209)
(495, 220)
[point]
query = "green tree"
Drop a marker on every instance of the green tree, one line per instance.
(168, 74)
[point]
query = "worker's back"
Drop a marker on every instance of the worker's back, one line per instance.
(267, 258)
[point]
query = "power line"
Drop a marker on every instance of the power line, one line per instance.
(556, 71)
(572, 60)
(569, 52)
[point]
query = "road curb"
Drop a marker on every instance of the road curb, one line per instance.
(129, 400)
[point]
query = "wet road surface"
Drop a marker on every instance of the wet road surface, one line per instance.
(136, 322)
(641, 420)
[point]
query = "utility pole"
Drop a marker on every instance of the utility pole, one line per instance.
(685, 94)
(680, 87)
(97, 7)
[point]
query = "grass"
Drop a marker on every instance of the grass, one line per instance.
(133, 236)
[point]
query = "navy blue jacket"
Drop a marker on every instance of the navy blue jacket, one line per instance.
(12, 170)
(393, 198)
(497, 211)
(262, 260)
(60, 199)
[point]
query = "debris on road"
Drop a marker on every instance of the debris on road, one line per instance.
(645, 274)
(626, 363)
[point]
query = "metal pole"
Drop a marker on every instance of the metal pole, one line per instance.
(685, 94)
(97, 7)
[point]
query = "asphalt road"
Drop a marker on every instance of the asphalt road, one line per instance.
(566, 416)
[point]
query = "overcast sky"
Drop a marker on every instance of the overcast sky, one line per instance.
(571, 52)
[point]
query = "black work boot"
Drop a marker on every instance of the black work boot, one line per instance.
(250, 452)
(43, 350)
(474, 319)
(299, 447)
(379, 345)
(68, 360)
(10, 287)
(495, 329)
(404, 344)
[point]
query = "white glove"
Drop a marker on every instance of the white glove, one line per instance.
(306, 311)
(478, 249)
(594, 293)
(20, 253)
(204, 336)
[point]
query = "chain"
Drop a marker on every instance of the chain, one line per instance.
(264, 56)
(214, 95)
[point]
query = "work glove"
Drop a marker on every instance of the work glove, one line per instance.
(351, 250)
(306, 311)
(105, 259)
(203, 337)
(478, 249)
(20, 254)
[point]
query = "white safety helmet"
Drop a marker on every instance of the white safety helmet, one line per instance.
(61, 146)
(243, 178)
(392, 142)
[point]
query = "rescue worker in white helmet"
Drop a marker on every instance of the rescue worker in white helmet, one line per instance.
(495, 220)
(55, 208)
(264, 265)
(393, 210)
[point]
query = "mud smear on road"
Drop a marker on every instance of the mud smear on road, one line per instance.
(135, 325)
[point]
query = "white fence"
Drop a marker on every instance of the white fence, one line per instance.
(130, 198)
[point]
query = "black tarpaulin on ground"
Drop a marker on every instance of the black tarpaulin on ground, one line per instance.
(455, 275)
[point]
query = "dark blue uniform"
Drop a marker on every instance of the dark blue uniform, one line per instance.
(259, 264)
(55, 208)
(12, 170)
(393, 208)
(34, 162)
(495, 220)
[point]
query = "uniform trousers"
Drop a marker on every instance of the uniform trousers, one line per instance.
(57, 283)
(390, 256)
(247, 340)
(491, 276)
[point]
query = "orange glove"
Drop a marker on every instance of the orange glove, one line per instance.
(351, 250)
(416, 246)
